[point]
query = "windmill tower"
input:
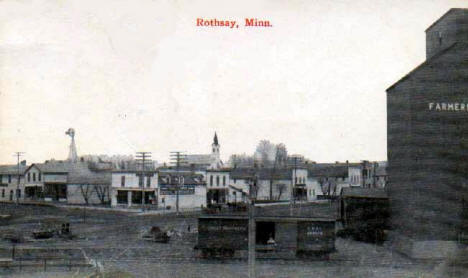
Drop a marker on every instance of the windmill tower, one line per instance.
(72, 155)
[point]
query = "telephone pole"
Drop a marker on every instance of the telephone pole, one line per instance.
(292, 200)
(144, 159)
(18, 155)
(178, 159)
(252, 224)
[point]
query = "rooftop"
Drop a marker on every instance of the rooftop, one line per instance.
(190, 178)
(12, 169)
(359, 192)
(449, 12)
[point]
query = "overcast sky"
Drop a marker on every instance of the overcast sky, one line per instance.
(141, 76)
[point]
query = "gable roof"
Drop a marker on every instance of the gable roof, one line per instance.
(262, 173)
(12, 169)
(190, 178)
(199, 159)
(451, 11)
(77, 172)
(62, 167)
(81, 174)
(329, 169)
(423, 64)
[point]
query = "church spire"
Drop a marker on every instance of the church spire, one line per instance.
(215, 140)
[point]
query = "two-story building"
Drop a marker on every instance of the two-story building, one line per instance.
(218, 186)
(10, 188)
(128, 187)
(233, 185)
(65, 181)
(189, 186)
(286, 183)
(333, 177)
(48, 181)
(34, 183)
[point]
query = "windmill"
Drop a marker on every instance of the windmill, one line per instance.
(72, 155)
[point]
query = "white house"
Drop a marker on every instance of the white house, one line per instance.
(48, 181)
(190, 187)
(233, 185)
(218, 186)
(128, 187)
(9, 189)
(65, 181)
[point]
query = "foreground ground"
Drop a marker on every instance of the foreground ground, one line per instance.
(111, 244)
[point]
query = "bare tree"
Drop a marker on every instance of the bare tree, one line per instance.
(265, 152)
(241, 160)
(102, 191)
(85, 192)
(281, 189)
(281, 156)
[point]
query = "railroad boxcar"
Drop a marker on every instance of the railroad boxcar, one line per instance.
(365, 214)
(276, 237)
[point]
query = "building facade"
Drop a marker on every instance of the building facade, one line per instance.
(218, 186)
(190, 187)
(10, 188)
(128, 187)
(34, 183)
(231, 185)
(427, 126)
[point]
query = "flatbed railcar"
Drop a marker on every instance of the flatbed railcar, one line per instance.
(276, 237)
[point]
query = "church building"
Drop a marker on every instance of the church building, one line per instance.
(207, 161)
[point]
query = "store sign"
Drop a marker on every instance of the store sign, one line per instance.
(172, 189)
(448, 106)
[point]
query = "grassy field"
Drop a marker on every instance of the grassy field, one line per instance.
(111, 244)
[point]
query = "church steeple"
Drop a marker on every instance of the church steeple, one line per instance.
(216, 160)
(215, 140)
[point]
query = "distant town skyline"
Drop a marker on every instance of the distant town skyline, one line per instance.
(146, 78)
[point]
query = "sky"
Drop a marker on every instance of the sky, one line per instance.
(134, 76)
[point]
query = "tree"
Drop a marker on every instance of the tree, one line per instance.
(265, 152)
(281, 156)
(85, 192)
(241, 160)
(102, 191)
(281, 189)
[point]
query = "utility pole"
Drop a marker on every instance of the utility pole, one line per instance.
(143, 158)
(273, 174)
(293, 185)
(18, 155)
(178, 159)
(252, 226)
